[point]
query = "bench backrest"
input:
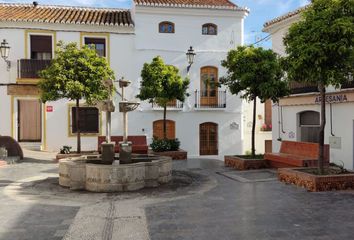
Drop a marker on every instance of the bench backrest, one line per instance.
(300, 148)
(136, 140)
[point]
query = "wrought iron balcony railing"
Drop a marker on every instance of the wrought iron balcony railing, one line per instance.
(176, 104)
(29, 68)
(297, 87)
(210, 99)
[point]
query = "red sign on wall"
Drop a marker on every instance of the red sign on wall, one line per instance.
(49, 109)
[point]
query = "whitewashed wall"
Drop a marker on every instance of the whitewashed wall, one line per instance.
(129, 50)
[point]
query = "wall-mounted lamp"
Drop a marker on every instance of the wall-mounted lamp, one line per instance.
(5, 51)
(190, 57)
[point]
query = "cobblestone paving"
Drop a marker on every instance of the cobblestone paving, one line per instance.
(238, 210)
(205, 201)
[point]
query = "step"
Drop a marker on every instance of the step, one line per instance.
(34, 146)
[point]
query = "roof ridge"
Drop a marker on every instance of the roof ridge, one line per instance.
(63, 6)
(285, 16)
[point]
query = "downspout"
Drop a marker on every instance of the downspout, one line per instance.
(331, 119)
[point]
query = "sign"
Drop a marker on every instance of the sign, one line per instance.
(49, 108)
(335, 142)
(338, 98)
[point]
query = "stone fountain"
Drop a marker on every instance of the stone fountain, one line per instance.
(109, 172)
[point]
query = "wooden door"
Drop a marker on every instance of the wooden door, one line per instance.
(158, 129)
(208, 139)
(29, 121)
(208, 86)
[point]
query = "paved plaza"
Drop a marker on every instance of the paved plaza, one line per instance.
(204, 201)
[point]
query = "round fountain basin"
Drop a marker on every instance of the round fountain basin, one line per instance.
(88, 173)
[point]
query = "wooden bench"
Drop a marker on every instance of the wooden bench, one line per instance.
(139, 143)
(297, 154)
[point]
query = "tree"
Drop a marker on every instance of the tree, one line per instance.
(76, 74)
(254, 73)
(162, 84)
(320, 51)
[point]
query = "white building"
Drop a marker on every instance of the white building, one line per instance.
(297, 117)
(210, 122)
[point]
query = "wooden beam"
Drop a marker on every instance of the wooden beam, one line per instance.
(23, 90)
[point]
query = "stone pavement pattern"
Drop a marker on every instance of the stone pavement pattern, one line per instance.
(205, 201)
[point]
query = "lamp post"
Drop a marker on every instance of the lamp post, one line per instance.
(5, 51)
(190, 57)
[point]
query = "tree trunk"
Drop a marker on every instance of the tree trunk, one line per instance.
(164, 122)
(254, 127)
(322, 129)
(78, 126)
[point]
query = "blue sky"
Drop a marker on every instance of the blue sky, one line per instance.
(261, 11)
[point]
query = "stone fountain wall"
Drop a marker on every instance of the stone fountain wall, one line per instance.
(78, 174)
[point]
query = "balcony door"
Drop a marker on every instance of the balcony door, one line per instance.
(209, 86)
(29, 120)
(208, 139)
(41, 47)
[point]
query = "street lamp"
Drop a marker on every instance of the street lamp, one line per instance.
(190, 57)
(5, 51)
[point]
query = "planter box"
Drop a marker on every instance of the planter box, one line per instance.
(73, 155)
(316, 183)
(175, 155)
(240, 163)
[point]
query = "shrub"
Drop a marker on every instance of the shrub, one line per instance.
(165, 145)
(65, 150)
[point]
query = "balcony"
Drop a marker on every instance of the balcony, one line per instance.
(210, 99)
(173, 105)
(298, 88)
(29, 68)
(349, 84)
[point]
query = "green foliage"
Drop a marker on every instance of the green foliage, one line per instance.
(320, 46)
(75, 74)
(254, 72)
(164, 145)
(65, 149)
(320, 51)
(162, 83)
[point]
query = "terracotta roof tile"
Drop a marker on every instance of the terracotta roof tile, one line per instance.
(218, 4)
(64, 14)
(285, 16)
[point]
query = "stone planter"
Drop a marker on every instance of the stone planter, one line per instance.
(239, 163)
(74, 155)
(316, 183)
(175, 155)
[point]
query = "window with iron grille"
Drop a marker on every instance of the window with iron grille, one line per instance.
(88, 120)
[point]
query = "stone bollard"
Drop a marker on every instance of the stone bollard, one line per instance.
(125, 152)
(107, 152)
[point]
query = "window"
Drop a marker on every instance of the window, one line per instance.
(89, 120)
(99, 44)
(209, 29)
(309, 126)
(41, 47)
(166, 27)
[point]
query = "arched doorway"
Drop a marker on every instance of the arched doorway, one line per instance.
(208, 139)
(158, 129)
(309, 124)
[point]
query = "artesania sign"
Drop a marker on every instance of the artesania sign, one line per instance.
(338, 98)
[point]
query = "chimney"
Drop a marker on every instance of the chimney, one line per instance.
(35, 3)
